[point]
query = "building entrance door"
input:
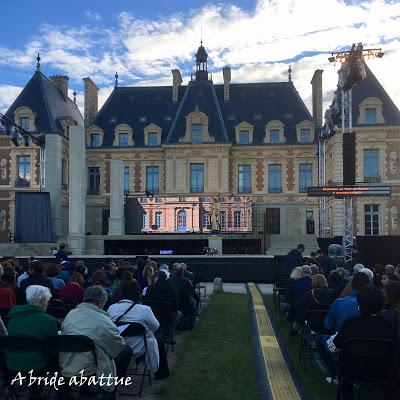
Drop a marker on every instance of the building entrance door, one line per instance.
(272, 221)
(310, 226)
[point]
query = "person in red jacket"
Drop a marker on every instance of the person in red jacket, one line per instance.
(73, 291)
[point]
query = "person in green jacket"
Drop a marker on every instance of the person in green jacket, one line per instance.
(31, 319)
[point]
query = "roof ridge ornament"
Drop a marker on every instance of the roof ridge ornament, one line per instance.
(289, 74)
(38, 62)
(74, 94)
(116, 79)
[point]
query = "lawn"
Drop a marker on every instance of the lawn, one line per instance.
(312, 377)
(216, 361)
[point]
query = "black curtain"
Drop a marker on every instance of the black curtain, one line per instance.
(33, 218)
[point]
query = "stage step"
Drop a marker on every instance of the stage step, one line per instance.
(26, 249)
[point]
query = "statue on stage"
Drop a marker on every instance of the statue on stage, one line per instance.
(215, 216)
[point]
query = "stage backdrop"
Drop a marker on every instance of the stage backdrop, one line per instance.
(33, 218)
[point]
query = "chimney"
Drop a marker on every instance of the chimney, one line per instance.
(176, 82)
(226, 72)
(62, 83)
(316, 83)
(91, 101)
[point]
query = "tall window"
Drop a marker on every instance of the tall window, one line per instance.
(144, 220)
(24, 123)
(206, 221)
(370, 115)
(158, 219)
(197, 178)
(181, 220)
(244, 137)
(152, 179)
(127, 177)
(94, 180)
(94, 140)
(305, 177)
(152, 139)
(64, 173)
(274, 136)
(197, 133)
(305, 136)
(123, 140)
(222, 219)
(237, 219)
(371, 219)
(274, 178)
(371, 165)
(244, 178)
(24, 170)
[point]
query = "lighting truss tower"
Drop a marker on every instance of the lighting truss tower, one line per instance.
(323, 222)
(352, 71)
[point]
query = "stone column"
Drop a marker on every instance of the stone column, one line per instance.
(116, 224)
(77, 190)
(53, 174)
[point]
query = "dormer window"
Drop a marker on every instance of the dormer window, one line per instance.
(152, 139)
(244, 137)
(197, 133)
(305, 135)
(123, 140)
(274, 136)
(94, 140)
(24, 123)
(370, 116)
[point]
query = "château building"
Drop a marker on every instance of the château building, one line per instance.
(146, 166)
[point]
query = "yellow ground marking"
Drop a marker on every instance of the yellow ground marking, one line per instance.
(280, 380)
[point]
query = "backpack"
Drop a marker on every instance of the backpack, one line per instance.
(7, 298)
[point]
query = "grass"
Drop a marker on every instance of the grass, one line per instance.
(312, 377)
(216, 362)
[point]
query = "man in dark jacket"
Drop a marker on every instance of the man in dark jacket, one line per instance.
(37, 277)
(325, 263)
(162, 291)
(294, 259)
(61, 254)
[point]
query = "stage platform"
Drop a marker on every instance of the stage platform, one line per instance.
(238, 268)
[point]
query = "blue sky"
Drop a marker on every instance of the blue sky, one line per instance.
(143, 40)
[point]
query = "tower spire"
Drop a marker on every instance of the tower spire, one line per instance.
(38, 62)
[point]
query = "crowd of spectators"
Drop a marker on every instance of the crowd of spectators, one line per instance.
(100, 306)
(361, 301)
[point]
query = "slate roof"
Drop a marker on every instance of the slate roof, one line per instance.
(256, 103)
(371, 87)
(48, 103)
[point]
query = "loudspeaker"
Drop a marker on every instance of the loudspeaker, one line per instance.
(349, 158)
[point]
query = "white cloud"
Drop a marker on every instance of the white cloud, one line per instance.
(93, 15)
(258, 45)
(8, 94)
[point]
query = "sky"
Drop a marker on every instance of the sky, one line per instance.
(144, 40)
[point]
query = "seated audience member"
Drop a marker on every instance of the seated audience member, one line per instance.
(99, 279)
(89, 319)
(126, 278)
(187, 297)
(52, 272)
(314, 269)
(347, 306)
(146, 278)
(7, 295)
(378, 270)
(65, 273)
(110, 268)
(165, 268)
(347, 289)
(129, 309)
(3, 329)
(37, 277)
(388, 278)
(391, 312)
(161, 290)
(26, 271)
(300, 286)
(326, 263)
(296, 273)
(397, 271)
(368, 324)
(125, 266)
(335, 282)
(319, 294)
(390, 269)
(188, 274)
(31, 319)
(73, 291)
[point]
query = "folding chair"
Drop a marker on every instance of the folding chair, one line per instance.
(312, 329)
(4, 315)
(371, 362)
(16, 344)
(136, 329)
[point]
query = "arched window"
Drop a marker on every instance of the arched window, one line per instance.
(181, 220)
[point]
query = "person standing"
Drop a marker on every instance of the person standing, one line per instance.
(294, 259)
